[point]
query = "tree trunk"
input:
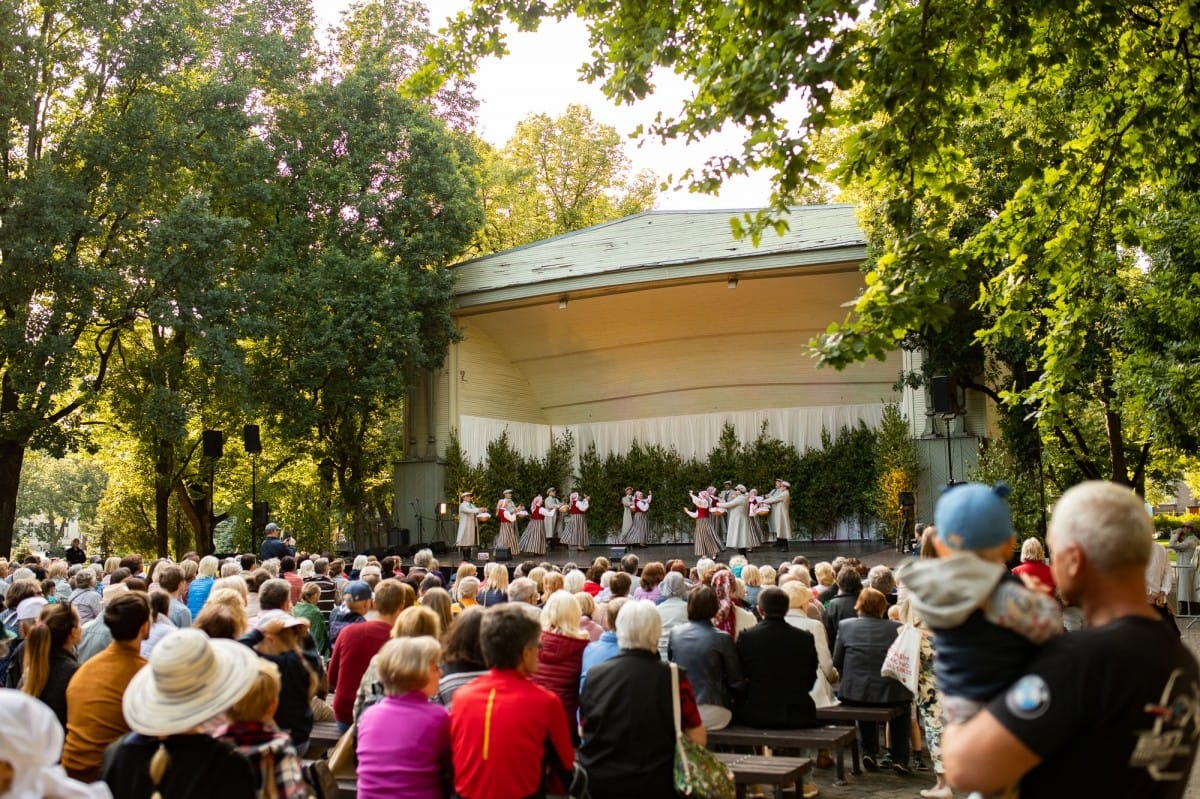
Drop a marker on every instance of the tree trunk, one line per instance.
(196, 512)
(164, 470)
(12, 455)
(1116, 435)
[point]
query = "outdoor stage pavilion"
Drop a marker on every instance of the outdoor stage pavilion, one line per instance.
(661, 327)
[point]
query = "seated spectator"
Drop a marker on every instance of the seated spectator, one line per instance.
(672, 608)
(359, 643)
(161, 626)
(709, 658)
(218, 621)
(462, 655)
(779, 663)
(799, 598)
(97, 689)
(503, 726)
(627, 716)
(172, 705)
(357, 601)
(495, 585)
(200, 588)
(438, 600)
(466, 590)
(842, 606)
(415, 762)
(96, 635)
(253, 731)
(308, 609)
(560, 660)
(858, 655)
(588, 611)
(27, 614)
(84, 597)
(49, 657)
(31, 741)
(170, 580)
(607, 646)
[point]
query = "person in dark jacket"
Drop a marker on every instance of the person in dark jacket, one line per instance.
(271, 546)
(842, 606)
(862, 645)
(49, 657)
(709, 658)
(779, 663)
(627, 714)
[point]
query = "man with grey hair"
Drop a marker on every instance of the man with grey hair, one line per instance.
(523, 592)
(1107, 711)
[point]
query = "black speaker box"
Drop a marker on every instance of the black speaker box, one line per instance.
(213, 443)
(503, 554)
(251, 440)
(945, 394)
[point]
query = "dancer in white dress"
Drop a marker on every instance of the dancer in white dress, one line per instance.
(506, 513)
(737, 536)
(704, 539)
(753, 503)
(468, 527)
(1184, 542)
(627, 513)
(639, 531)
(575, 534)
(533, 540)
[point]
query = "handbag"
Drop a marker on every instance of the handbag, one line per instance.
(698, 772)
(342, 760)
(903, 660)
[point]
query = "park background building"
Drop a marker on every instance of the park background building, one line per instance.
(662, 327)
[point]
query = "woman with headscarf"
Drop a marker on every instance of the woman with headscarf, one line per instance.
(708, 656)
(533, 540)
(704, 538)
(672, 607)
(732, 617)
(31, 742)
(738, 534)
(576, 532)
(639, 530)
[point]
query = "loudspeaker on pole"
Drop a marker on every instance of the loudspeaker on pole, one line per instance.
(213, 443)
(251, 440)
(945, 394)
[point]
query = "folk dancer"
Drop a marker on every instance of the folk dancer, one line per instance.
(781, 516)
(533, 540)
(704, 539)
(627, 513)
(1184, 542)
(506, 513)
(554, 528)
(576, 533)
(737, 535)
(468, 526)
(720, 523)
(753, 503)
(639, 531)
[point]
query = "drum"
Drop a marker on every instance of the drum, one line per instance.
(717, 511)
(482, 516)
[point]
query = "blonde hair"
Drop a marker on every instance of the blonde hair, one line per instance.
(751, 576)
(264, 692)
(496, 577)
(1032, 550)
(403, 663)
(111, 564)
(799, 595)
(766, 575)
(587, 605)
(208, 566)
(417, 621)
(190, 569)
(824, 573)
(551, 582)
(562, 615)
(231, 599)
(235, 584)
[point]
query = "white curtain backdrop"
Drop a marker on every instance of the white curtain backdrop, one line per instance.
(692, 436)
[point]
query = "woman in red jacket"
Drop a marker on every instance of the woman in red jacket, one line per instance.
(560, 660)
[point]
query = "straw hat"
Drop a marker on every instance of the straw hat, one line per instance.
(189, 680)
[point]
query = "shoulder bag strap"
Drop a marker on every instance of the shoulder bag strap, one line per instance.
(675, 699)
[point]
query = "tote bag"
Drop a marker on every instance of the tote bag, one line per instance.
(698, 772)
(903, 660)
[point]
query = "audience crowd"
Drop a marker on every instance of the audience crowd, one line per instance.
(474, 683)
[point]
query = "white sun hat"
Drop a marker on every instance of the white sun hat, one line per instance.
(31, 742)
(190, 679)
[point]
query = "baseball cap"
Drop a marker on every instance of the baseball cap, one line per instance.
(357, 591)
(30, 608)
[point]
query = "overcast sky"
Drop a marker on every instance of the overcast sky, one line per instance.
(540, 75)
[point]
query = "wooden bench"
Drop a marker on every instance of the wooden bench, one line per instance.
(849, 714)
(781, 772)
(836, 738)
(323, 737)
